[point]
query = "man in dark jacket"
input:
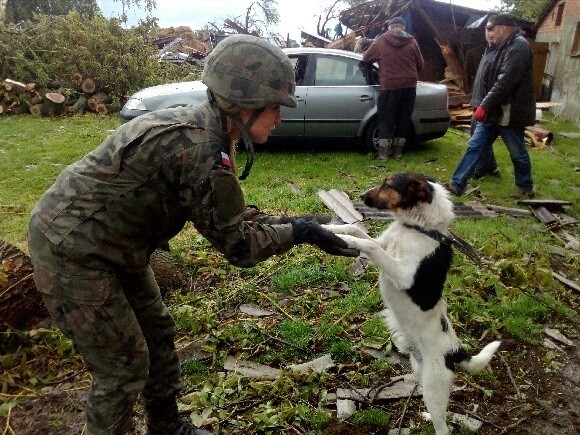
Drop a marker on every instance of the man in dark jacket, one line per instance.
(507, 107)
(92, 232)
(400, 61)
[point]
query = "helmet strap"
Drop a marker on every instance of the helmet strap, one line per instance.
(249, 146)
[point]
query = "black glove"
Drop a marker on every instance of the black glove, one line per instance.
(319, 218)
(306, 231)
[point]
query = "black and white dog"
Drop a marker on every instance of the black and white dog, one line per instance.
(413, 256)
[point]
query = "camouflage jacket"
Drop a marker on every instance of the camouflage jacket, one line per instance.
(113, 207)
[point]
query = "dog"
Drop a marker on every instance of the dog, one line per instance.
(413, 256)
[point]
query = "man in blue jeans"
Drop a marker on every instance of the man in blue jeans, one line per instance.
(507, 108)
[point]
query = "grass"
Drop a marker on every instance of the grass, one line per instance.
(319, 306)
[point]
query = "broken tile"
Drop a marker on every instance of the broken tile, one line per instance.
(255, 311)
(345, 408)
(250, 369)
(318, 365)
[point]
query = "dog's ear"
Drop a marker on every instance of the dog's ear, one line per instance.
(423, 190)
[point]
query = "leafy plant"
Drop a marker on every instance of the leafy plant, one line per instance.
(54, 48)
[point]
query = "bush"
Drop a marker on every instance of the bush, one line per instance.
(53, 48)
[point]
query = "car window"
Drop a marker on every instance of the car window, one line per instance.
(300, 63)
(339, 71)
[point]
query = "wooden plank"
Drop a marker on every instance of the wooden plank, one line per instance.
(546, 217)
(516, 212)
(339, 202)
(567, 282)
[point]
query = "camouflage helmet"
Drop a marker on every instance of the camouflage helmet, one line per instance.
(250, 72)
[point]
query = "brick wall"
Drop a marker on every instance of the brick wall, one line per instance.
(570, 8)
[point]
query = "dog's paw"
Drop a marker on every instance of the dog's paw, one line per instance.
(349, 229)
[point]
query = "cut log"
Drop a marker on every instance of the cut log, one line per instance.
(88, 86)
(14, 86)
(77, 78)
(79, 107)
(36, 110)
(54, 103)
(99, 99)
(101, 109)
(21, 305)
(102, 97)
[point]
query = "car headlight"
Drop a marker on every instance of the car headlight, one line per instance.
(135, 104)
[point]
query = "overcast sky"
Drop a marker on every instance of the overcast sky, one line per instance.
(295, 15)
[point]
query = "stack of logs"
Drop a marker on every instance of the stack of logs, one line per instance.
(57, 98)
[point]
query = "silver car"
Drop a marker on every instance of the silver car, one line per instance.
(337, 98)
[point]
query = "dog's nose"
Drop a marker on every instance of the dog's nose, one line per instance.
(364, 194)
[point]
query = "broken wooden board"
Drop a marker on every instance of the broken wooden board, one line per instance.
(515, 212)
(340, 203)
(471, 209)
(554, 205)
(566, 282)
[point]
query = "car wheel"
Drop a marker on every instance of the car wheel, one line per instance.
(371, 137)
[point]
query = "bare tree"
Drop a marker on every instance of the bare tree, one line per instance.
(257, 19)
(329, 13)
(149, 5)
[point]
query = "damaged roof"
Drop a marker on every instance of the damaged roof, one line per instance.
(446, 15)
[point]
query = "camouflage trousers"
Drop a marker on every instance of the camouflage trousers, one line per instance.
(120, 326)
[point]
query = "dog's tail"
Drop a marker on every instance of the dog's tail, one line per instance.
(474, 363)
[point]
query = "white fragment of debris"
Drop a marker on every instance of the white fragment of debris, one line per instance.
(345, 408)
(192, 350)
(558, 336)
(403, 431)
(255, 311)
(320, 364)
(551, 345)
(463, 420)
(250, 369)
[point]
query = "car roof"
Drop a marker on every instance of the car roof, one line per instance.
(333, 51)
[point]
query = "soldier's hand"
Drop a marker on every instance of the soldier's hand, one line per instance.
(306, 231)
(318, 218)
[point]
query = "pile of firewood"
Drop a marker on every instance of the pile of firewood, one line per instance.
(76, 96)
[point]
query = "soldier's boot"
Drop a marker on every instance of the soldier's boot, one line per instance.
(385, 146)
(398, 145)
(163, 419)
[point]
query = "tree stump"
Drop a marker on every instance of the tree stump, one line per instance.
(21, 305)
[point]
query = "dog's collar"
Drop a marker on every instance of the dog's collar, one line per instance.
(438, 236)
(450, 240)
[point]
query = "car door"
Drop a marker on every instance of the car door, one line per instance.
(338, 97)
(293, 118)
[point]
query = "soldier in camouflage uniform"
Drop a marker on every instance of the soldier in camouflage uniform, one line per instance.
(91, 233)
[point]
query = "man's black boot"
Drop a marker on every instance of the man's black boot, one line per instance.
(163, 419)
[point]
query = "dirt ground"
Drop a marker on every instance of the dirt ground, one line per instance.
(535, 390)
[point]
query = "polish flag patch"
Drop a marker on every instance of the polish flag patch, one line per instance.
(226, 160)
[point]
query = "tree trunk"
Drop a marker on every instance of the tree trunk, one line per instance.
(20, 303)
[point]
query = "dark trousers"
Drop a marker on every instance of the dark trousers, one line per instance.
(394, 111)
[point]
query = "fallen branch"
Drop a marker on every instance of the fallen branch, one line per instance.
(402, 417)
(513, 381)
